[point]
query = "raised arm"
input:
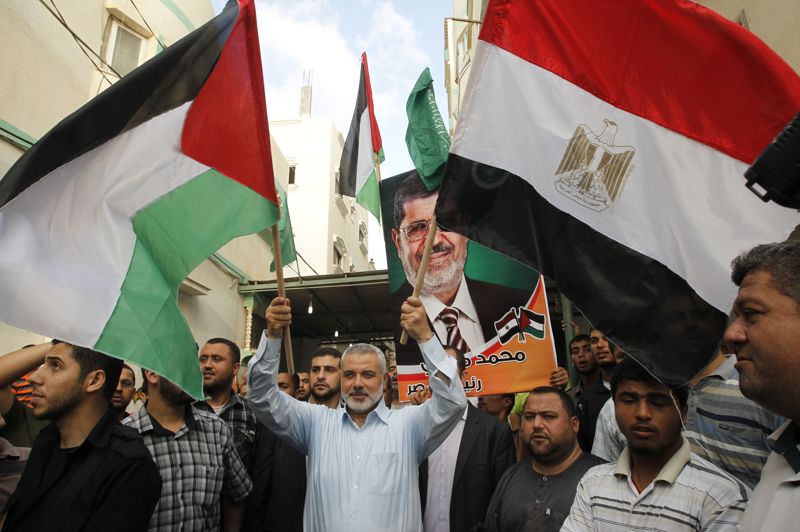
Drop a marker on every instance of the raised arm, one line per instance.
(284, 415)
(17, 363)
(433, 421)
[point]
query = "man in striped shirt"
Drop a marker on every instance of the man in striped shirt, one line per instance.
(658, 483)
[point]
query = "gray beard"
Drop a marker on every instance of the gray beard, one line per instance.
(436, 281)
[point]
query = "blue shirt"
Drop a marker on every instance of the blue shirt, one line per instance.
(359, 479)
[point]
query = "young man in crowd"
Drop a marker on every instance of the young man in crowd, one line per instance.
(498, 405)
(362, 458)
(85, 470)
(288, 383)
(304, 386)
(595, 396)
(536, 493)
(762, 336)
(580, 350)
(196, 455)
(658, 483)
(123, 395)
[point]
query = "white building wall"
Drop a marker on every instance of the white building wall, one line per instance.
(318, 214)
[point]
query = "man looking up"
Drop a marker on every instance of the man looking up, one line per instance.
(596, 395)
(304, 388)
(658, 483)
(763, 336)
(196, 456)
(85, 470)
(580, 350)
(123, 395)
(362, 457)
(536, 493)
(325, 377)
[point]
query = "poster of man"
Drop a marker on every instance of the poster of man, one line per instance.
(470, 293)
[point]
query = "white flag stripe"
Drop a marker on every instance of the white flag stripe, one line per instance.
(682, 203)
(73, 227)
(366, 163)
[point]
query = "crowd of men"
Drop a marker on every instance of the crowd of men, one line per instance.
(327, 450)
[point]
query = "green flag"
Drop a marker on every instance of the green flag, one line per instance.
(427, 138)
(288, 253)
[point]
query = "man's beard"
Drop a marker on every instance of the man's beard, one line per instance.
(60, 404)
(324, 396)
(436, 280)
(172, 393)
(359, 407)
(219, 385)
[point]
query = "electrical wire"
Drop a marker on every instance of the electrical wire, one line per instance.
(155, 36)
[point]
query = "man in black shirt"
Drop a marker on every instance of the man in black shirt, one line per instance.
(85, 470)
(537, 493)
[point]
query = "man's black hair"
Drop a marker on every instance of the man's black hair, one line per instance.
(125, 366)
(296, 381)
(781, 260)
(89, 360)
(629, 370)
(580, 338)
(236, 354)
(410, 189)
(327, 352)
(566, 400)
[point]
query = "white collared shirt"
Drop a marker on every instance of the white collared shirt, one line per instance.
(441, 475)
(468, 322)
(359, 478)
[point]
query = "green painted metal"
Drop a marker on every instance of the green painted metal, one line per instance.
(172, 6)
(15, 136)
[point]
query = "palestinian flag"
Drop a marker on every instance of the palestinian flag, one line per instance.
(358, 175)
(531, 322)
(102, 219)
(604, 144)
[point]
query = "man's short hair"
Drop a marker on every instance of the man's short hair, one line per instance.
(461, 363)
(236, 354)
(580, 338)
(366, 348)
(125, 366)
(629, 370)
(410, 189)
(327, 352)
(780, 259)
(566, 400)
(89, 360)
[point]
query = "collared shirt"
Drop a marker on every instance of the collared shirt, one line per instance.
(468, 322)
(441, 474)
(525, 500)
(776, 499)
(242, 423)
(723, 426)
(197, 464)
(360, 478)
(108, 481)
(689, 493)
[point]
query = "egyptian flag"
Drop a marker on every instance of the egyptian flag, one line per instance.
(358, 176)
(604, 144)
(102, 219)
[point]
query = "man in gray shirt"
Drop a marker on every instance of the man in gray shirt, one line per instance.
(536, 493)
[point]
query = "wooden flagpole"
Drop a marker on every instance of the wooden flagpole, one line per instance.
(377, 160)
(423, 267)
(276, 252)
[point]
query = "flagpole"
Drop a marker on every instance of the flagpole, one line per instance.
(377, 166)
(423, 267)
(287, 335)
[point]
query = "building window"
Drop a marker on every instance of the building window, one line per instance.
(125, 48)
(292, 170)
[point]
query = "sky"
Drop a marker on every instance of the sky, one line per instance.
(401, 38)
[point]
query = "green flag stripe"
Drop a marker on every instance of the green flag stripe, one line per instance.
(369, 196)
(174, 235)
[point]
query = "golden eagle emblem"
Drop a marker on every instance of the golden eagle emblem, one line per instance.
(594, 169)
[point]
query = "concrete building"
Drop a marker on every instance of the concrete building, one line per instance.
(46, 73)
(330, 230)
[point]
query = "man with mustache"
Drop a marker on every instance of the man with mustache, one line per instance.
(123, 395)
(362, 457)
(461, 310)
(537, 492)
(767, 312)
(304, 388)
(657, 483)
(203, 477)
